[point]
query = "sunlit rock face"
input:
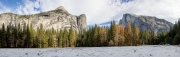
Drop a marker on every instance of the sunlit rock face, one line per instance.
(58, 19)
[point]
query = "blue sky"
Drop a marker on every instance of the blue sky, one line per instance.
(98, 11)
(11, 3)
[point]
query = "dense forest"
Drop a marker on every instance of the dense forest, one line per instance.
(17, 36)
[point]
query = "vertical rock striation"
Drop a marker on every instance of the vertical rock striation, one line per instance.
(57, 19)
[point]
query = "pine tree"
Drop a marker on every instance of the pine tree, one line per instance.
(3, 37)
(60, 35)
(177, 39)
(114, 33)
(37, 38)
(111, 43)
(29, 39)
(50, 38)
(15, 35)
(137, 40)
(9, 38)
(121, 34)
(72, 37)
(107, 31)
(88, 36)
(65, 38)
(133, 37)
(128, 34)
(20, 41)
(98, 36)
(102, 36)
(42, 38)
(95, 35)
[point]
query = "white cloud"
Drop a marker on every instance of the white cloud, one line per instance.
(166, 9)
(99, 11)
(28, 8)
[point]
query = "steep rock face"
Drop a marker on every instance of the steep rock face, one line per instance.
(57, 19)
(146, 22)
(81, 23)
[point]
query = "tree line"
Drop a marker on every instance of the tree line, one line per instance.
(17, 36)
(173, 36)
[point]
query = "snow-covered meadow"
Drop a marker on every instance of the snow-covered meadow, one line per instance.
(123, 51)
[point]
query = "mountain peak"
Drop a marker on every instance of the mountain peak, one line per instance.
(61, 8)
(143, 22)
(59, 19)
(131, 14)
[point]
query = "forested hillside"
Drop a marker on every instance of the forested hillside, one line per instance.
(173, 36)
(115, 35)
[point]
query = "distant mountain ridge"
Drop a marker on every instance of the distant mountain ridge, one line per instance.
(58, 19)
(146, 22)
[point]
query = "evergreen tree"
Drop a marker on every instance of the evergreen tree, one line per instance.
(32, 35)
(65, 38)
(114, 33)
(137, 40)
(42, 38)
(60, 35)
(128, 34)
(177, 39)
(121, 35)
(15, 35)
(102, 36)
(72, 37)
(3, 36)
(95, 35)
(111, 43)
(20, 41)
(50, 38)
(9, 37)
(29, 39)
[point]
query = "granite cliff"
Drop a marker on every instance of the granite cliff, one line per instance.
(146, 22)
(58, 19)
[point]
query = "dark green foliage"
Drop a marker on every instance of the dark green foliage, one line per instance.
(25, 16)
(3, 36)
(173, 36)
(114, 33)
(65, 42)
(25, 36)
(177, 39)
(60, 36)
(28, 39)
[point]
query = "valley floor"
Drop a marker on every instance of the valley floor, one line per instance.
(124, 51)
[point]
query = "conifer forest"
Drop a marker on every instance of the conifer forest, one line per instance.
(96, 36)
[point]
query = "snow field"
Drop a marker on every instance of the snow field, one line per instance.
(123, 51)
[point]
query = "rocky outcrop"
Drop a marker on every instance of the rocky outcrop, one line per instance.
(146, 22)
(57, 19)
(81, 23)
